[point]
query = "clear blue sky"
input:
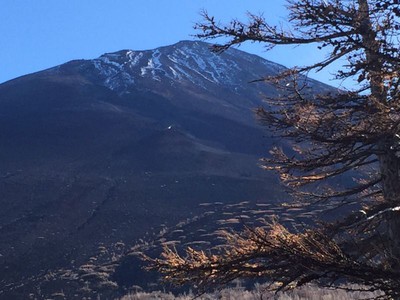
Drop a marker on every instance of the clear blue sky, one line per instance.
(38, 34)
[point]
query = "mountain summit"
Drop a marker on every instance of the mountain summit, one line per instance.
(111, 150)
(185, 62)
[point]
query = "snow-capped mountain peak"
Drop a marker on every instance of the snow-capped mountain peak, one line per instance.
(185, 61)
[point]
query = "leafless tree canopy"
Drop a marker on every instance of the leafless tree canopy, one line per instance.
(345, 133)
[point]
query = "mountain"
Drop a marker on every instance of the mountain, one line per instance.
(109, 151)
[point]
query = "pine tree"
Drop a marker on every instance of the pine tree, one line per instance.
(351, 133)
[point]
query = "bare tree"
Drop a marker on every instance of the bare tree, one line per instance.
(343, 133)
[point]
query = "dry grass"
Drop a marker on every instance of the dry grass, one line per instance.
(259, 293)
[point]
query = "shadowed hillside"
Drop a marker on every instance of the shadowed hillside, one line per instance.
(96, 152)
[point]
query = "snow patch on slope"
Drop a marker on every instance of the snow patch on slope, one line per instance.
(153, 64)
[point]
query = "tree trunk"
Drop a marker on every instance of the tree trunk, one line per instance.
(389, 160)
(390, 170)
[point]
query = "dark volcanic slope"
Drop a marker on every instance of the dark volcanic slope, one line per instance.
(99, 151)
